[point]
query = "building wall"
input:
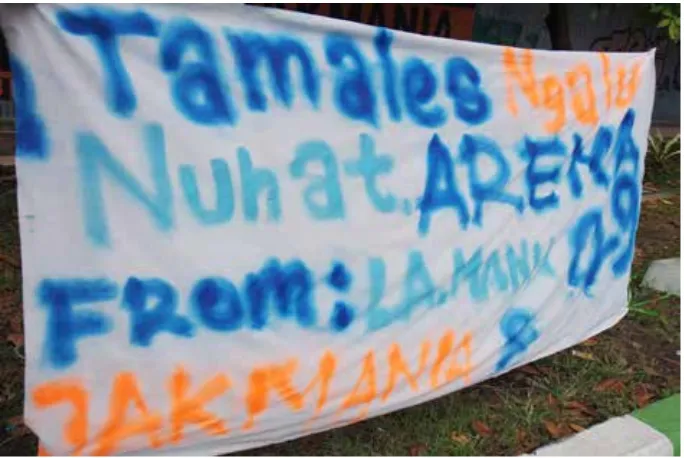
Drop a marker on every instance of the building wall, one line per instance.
(619, 29)
(441, 20)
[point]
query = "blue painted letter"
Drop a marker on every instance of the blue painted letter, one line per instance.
(64, 325)
(354, 94)
(146, 322)
(277, 54)
(471, 104)
(94, 160)
(225, 199)
(536, 176)
(494, 188)
(197, 88)
(598, 247)
(104, 26)
(216, 303)
(31, 134)
(290, 285)
(440, 187)
(419, 86)
(383, 45)
(326, 185)
(368, 166)
(599, 148)
(254, 181)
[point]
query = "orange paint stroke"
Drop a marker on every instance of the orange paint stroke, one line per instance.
(279, 379)
(368, 379)
(398, 367)
(627, 89)
(118, 428)
(607, 80)
(580, 84)
(554, 100)
(57, 392)
(446, 350)
(42, 451)
(190, 410)
(523, 75)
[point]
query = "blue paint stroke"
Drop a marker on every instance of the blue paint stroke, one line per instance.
(492, 189)
(64, 324)
(440, 187)
(277, 53)
(339, 277)
(148, 321)
(518, 329)
(197, 89)
(290, 285)
(600, 147)
(255, 181)
(224, 196)
(463, 84)
(216, 303)
(103, 26)
(354, 94)
(342, 316)
(419, 87)
(32, 140)
(369, 166)
(327, 187)
(588, 235)
(95, 160)
(536, 176)
(383, 44)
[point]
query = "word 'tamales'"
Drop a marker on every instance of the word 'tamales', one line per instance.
(263, 64)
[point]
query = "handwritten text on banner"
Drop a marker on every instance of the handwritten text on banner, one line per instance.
(241, 225)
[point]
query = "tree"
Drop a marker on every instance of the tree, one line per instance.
(668, 16)
(662, 15)
(559, 27)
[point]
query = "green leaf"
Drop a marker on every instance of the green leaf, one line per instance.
(646, 312)
(664, 23)
(672, 142)
(674, 31)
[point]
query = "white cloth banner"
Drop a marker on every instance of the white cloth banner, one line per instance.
(242, 225)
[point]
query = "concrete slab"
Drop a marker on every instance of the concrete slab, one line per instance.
(664, 275)
(620, 436)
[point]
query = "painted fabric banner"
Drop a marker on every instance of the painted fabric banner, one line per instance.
(240, 225)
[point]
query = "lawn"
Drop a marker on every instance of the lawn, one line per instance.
(633, 364)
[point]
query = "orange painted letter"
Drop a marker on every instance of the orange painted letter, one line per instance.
(607, 80)
(455, 370)
(554, 100)
(397, 367)
(626, 90)
(525, 77)
(368, 377)
(186, 409)
(583, 105)
(124, 392)
(52, 393)
(279, 378)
